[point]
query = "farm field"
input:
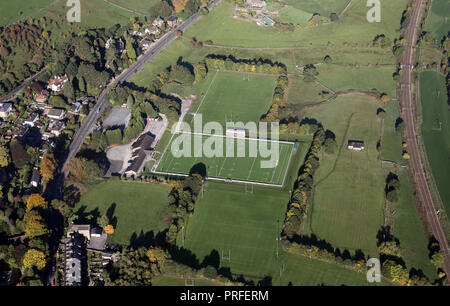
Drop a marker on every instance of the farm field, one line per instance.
(341, 78)
(290, 14)
(94, 14)
(391, 148)
(323, 7)
(436, 130)
(345, 56)
(181, 48)
(348, 205)
(141, 6)
(244, 168)
(244, 226)
(137, 207)
(228, 94)
(438, 23)
(219, 27)
(306, 93)
(13, 11)
(409, 231)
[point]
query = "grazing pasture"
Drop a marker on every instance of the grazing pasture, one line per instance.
(137, 209)
(436, 130)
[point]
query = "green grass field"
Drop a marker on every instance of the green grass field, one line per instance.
(228, 94)
(139, 208)
(222, 29)
(290, 14)
(245, 226)
(244, 168)
(323, 7)
(408, 229)
(12, 11)
(349, 199)
(436, 130)
(341, 78)
(305, 93)
(94, 14)
(142, 6)
(438, 22)
(391, 148)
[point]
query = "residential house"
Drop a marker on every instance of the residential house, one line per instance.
(355, 145)
(35, 178)
(137, 33)
(145, 44)
(5, 109)
(57, 83)
(256, 4)
(55, 113)
(42, 96)
(158, 22)
(154, 30)
(56, 128)
(31, 120)
(172, 21)
(21, 132)
(95, 236)
(75, 260)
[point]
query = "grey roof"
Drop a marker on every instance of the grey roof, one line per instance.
(32, 117)
(35, 177)
(4, 107)
(143, 142)
(356, 143)
(73, 271)
(56, 112)
(137, 162)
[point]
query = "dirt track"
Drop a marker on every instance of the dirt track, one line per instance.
(415, 163)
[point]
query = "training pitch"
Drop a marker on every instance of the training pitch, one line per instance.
(247, 168)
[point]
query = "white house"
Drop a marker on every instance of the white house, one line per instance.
(158, 22)
(5, 109)
(355, 145)
(31, 120)
(57, 83)
(55, 113)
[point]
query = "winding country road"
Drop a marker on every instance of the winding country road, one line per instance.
(415, 165)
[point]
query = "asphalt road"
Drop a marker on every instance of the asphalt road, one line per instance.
(56, 188)
(126, 75)
(415, 164)
(14, 93)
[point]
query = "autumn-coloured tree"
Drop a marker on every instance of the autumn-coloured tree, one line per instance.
(109, 229)
(35, 201)
(4, 157)
(34, 224)
(157, 256)
(76, 168)
(34, 258)
(179, 5)
(48, 167)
